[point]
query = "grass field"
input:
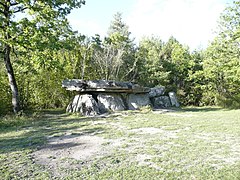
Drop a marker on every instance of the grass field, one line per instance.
(190, 143)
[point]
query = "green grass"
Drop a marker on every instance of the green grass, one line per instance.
(190, 143)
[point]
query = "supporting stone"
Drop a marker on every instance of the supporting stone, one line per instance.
(161, 102)
(83, 104)
(136, 101)
(173, 99)
(110, 102)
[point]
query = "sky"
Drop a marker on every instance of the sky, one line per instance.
(191, 22)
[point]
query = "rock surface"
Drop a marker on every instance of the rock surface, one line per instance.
(84, 104)
(110, 102)
(135, 101)
(103, 86)
(161, 102)
(156, 92)
(173, 99)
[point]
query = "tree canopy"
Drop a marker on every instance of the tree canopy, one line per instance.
(43, 26)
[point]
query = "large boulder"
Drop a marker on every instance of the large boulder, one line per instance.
(84, 104)
(110, 102)
(173, 99)
(156, 91)
(135, 101)
(161, 102)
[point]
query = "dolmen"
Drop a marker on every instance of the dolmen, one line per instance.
(101, 96)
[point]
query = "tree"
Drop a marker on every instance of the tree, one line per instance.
(222, 60)
(150, 62)
(195, 80)
(31, 31)
(118, 26)
(108, 61)
(80, 55)
(119, 39)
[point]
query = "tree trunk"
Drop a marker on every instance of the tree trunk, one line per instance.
(12, 80)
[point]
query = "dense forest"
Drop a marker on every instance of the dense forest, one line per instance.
(40, 50)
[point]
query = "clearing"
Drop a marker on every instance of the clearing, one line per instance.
(191, 143)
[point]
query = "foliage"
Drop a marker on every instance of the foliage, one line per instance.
(195, 82)
(151, 71)
(42, 26)
(169, 64)
(119, 43)
(222, 60)
(5, 94)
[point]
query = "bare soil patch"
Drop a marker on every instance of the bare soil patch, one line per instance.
(58, 149)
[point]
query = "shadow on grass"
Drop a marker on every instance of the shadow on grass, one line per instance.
(35, 132)
(53, 111)
(201, 109)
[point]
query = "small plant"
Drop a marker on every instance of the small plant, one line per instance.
(145, 109)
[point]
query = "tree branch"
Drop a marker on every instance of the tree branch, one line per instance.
(20, 9)
(14, 4)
